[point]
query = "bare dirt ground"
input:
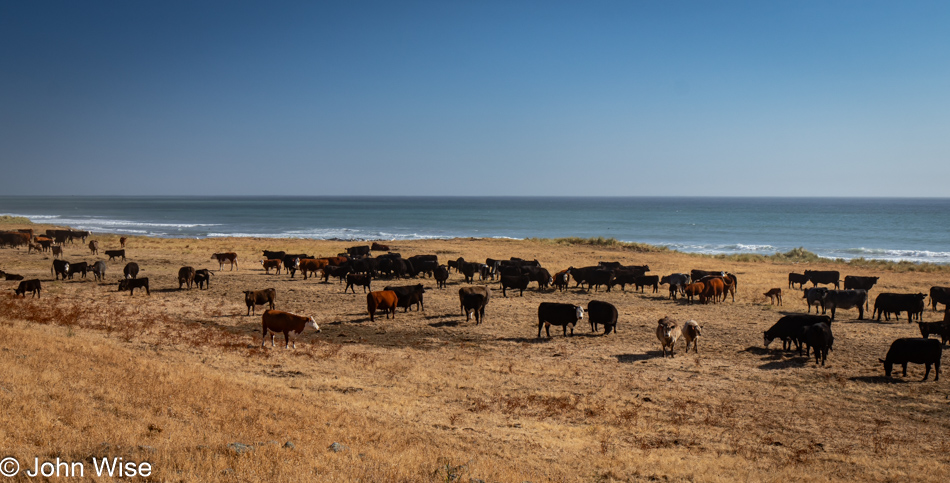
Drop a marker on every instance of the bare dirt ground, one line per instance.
(176, 376)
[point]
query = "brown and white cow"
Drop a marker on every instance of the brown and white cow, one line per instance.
(225, 257)
(278, 321)
(271, 263)
(774, 295)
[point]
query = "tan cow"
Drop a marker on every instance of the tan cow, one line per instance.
(667, 331)
(278, 321)
(225, 257)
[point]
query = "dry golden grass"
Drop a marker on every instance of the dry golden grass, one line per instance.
(175, 377)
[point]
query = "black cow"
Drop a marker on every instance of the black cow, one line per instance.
(479, 289)
(474, 303)
(818, 337)
(25, 286)
(597, 278)
(895, 303)
(292, 262)
(790, 329)
(602, 313)
(551, 313)
(364, 265)
(798, 278)
(441, 274)
(358, 251)
(339, 272)
(253, 298)
(853, 282)
(408, 295)
(10, 276)
(580, 275)
(60, 267)
(939, 295)
(423, 264)
(845, 299)
(133, 283)
(647, 281)
(832, 277)
(918, 351)
(815, 296)
(626, 276)
(519, 282)
(186, 276)
(468, 270)
(203, 277)
(455, 264)
(131, 270)
(937, 328)
(677, 281)
(113, 254)
(78, 267)
(98, 270)
(270, 255)
(697, 275)
(358, 279)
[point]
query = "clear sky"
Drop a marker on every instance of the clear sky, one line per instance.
(620, 98)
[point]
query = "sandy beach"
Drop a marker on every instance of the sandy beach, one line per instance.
(178, 378)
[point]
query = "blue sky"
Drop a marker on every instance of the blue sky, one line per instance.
(621, 98)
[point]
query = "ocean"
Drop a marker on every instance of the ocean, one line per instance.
(876, 228)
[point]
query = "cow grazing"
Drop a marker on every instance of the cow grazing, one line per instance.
(25, 286)
(385, 300)
(441, 275)
(78, 267)
(473, 303)
(937, 328)
(270, 263)
(358, 279)
(131, 284)
(203, 278)
(551, 313)
(790, 329)
(94, 246)
(603, 313)
(230, 257)
(691, 333)
(186, 276)
(775, 296)
(131, 270)
(798, 278)
(815, 296)
(667, 331)
(483, 290)
(895, 303)
(852, 282)
(277, 321)
(60, 268)
(519, 282)
(113, 254)
(677, 282)
(818, 337)
(832, 277)
(409, 295)
(939, 295)
(253, 298)
(918, 351)
(845, 299)
(98, 270)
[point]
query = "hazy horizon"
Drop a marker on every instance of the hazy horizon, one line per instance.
(726, 99)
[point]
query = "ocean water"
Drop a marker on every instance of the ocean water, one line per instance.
(879, 228)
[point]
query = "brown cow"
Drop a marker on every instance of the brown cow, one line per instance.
(271, 263)
(45, 242)
(312, 265)
(94, 246)
(384, 300)
(57, 251)
(259, 297)
(186, 276)
(691, 333)
(376, 247)
(694, 289)
(225, 257)
(774, 295)
(667, 331)
(714, 288)
(278, 321)
(362, 279)
(122, 242)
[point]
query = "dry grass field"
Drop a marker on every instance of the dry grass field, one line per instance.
(178, 377)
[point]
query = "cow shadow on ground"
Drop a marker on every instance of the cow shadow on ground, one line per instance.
(631, 358)
(525, 340)
(882, 380)
(776, 359)
(875, 321)
(166, 290)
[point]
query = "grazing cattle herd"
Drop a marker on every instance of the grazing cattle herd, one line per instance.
(358, 267)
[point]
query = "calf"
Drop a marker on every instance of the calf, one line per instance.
(385, 300)
(94, 246)
(790, 329)
(798, 278)
(483, 290)
(939, 328)
(270, 263)
(57, 251)
(667, 331)
(358, 279)
(691, 333)
(230, 257)
(818, 337)
(409, 295)
(25, 286)
(845, 299)
(186, 276)
(131, 270)
(253, 298)
(278, 321)
(602, 313)
(131, 284)
(550, 313)
(474, 303)
(113, 254)
(774, 295)
(918, 351)
(203, 278)
(122, 241)
(677, 281)
(60, 267)
(98, 270)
